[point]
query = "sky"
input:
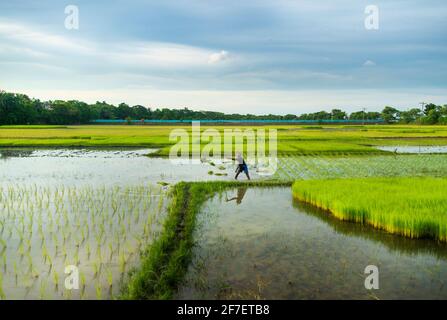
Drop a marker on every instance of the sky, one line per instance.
(245, 56)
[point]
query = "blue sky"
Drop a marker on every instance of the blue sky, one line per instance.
(264, 56)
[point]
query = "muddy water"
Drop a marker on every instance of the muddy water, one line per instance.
(263, 244)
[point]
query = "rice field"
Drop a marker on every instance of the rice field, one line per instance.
(100, 230)
(412, 207)
(327, 167)
(95, 209)
(292, 139)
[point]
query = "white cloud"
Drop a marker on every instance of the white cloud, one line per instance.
(218, 57)
(113, 56)
(156, 54)
(15, 50)
(369, 63)
(29, 36)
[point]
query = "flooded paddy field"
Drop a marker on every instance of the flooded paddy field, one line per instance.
(101, 166)
(96, 209)
(132, 166)
(100, 230)
(261, 244)
(321, 167)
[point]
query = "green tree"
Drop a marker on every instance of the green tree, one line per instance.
(429, 107)
(410, 116)
(337, 114)
(123, 111)
(390, 114)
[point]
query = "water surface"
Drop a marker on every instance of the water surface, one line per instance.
(81, 166)
(261, 244)
(414, 149)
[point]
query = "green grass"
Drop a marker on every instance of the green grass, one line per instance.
(164, 264)
(292, 140)
(33, 127)
(412, 207)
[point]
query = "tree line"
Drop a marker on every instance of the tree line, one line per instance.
(18, 109)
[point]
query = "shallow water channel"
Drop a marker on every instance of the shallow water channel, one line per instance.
(261, 244)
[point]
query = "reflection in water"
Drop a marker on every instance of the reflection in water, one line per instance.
(240, 195)
(270, 247)
(391, 241)
(15, 153)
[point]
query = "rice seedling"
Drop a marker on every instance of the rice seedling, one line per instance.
(76, 257)
(122, 262)
(64, 252)
(67, 294)
(98, 252)
(416, 209)
(15, 272)
(2, 293)
(21, 250)
(96, 268)
(88, 250)
(42, 290)
(330, 167)
(110, 278)
(82, 280)
(42, 228)
(98, 291)
(55, 279)
(4, 261)
(3, 244)
(111, 251)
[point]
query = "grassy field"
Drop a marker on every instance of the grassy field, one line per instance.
(413, 207)
(292, 140)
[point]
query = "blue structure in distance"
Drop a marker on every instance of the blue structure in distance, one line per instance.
(254, 121)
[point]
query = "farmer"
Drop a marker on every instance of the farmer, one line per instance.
(241, 166)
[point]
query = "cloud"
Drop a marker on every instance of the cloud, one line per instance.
(369, 63)
(29, 36)
(218, 57)
(164, 55)
(233, 46)
(117, 55)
